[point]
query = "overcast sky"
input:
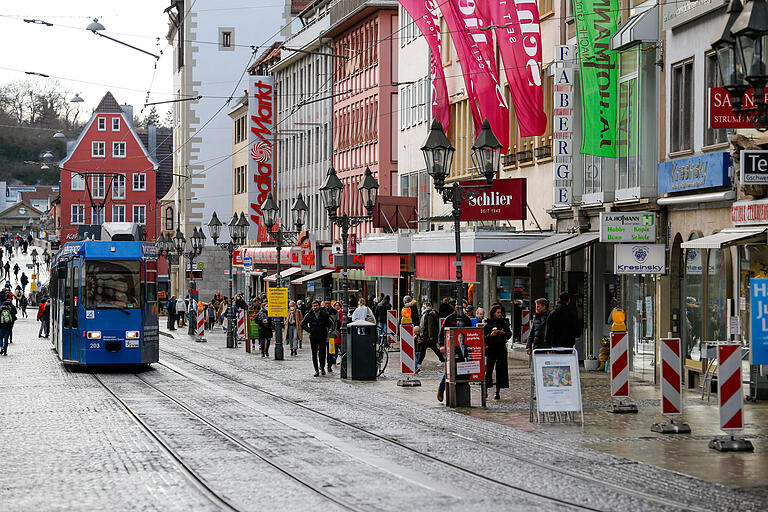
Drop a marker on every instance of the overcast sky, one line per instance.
(86, 63)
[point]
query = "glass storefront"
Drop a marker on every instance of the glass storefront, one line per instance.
(640, 302)
(693, 294)
(717, 284)
(753, 262)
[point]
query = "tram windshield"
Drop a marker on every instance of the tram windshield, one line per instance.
(111, 284)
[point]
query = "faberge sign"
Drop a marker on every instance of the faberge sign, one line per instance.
(504, 200)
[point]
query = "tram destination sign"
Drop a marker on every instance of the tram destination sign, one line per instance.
(628, 227)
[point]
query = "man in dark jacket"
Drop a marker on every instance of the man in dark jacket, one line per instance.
(429, 334)
(381, 312)
(7, 319)
(170, 307)
(563, 324)
(316, 323)
(445, 308)
(538, 335)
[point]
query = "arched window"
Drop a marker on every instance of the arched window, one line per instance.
(169, 218)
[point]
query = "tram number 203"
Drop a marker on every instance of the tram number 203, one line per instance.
(95, 345)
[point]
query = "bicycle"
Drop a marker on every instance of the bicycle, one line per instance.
(382, 356)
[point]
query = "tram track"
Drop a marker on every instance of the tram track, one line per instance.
(592, 480)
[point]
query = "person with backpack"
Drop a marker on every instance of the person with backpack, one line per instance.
(24, 303)
(170, 308)
(7, 319)
(429, 331)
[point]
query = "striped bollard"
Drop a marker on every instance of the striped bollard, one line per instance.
(525, 326)
(620, 372)
(392, 326)
(731, 399)
(200, 331)
(671, 388)
(407, 357)
(241, 324)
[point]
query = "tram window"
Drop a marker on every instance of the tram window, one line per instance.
(111, 284)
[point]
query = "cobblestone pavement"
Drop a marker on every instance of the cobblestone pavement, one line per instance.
(264, 434)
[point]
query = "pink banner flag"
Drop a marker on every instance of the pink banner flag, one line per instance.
(424, 14)
(478, 63)
(519, 37)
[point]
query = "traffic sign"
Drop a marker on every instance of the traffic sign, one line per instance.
(248, 263)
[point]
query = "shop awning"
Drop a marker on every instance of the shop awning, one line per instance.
(638, 28)
(565, 246)
(500, 259)
(440, 267)
(313, 276)
(382, 265)
(727, 237)
(285, 273)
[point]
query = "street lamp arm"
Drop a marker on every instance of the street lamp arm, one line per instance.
(157, 57)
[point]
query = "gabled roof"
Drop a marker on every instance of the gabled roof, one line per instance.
(34, 211)
(268, 56)
(108, 104)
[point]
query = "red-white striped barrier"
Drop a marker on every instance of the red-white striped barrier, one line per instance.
(241, 323)
(671, 378)
(619, 365)
(525, 326)
(729, 389)
(392, 325)
(200, 331)
(407, 350)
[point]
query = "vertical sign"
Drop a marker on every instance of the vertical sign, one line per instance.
(758, 303)
(562, 125)
(261, 94)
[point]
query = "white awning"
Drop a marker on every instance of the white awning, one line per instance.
(638, 28)
(563, 246)
(727, 237)
(284, 273)
(500, 259)
(314, 275)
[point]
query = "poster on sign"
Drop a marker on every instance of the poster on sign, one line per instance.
(468, 351)
(557, 381)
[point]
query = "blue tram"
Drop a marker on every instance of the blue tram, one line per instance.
(104, 303)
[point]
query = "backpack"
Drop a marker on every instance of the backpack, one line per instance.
(6, 318)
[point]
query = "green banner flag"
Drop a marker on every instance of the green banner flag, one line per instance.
(596, 22)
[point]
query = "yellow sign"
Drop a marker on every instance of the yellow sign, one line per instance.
(33, 286)
(34, 277)
(277, 302)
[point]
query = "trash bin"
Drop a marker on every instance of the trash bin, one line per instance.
(361, 352)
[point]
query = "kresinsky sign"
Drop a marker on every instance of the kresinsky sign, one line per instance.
(628, 227)
(639, 258)
(261, 103)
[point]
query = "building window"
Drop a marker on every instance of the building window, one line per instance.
(98, 149)
(115, 124)
(78, 214)
(593, 174)
(118, 213)
(628, 137)
(445, 42)
(118, 187)
(240, 131)
(97, 215)
(712, 136)
(139, 182)
(226, 39)
(169, 218)
(98, 186)
(139, 214)
(101, 123)
(118, 150)
(239, 179)
(681, 132)
(78, 182)
(546, 7)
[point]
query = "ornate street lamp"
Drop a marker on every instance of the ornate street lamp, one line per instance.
(197, 242)
(271, 214)
(331, 192)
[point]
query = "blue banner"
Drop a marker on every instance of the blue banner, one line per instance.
(696, 172)
(758, 303)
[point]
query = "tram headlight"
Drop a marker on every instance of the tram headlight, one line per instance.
(94, 335)
(131, 335)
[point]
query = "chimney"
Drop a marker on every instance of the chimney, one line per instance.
(128, 111)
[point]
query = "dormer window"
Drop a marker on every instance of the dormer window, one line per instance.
(101, 123)
(115, 124)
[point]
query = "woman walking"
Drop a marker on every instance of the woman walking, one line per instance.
(265, 331)
(293, 330)
(497, 332)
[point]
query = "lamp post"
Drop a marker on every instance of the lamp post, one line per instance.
(331, 191)
(197, 242)
(271, 212)
(438, 154)
(238, 232)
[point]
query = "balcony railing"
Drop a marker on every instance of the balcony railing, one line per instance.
(543, 152)
(525, 156)
(509, 160)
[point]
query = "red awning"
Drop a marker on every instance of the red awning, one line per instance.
(382, 265)
(439, 267)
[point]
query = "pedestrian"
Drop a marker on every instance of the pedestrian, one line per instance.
(428, 330)
(24, 282)
(293, 327)
(222, 312)
(181, 312)
(266, 329)
(170, 308)
(563, 324)
(317, 323)
(381, 312)
(7, 268)
(496, 332)
(24, 303)
(479, 318)
(16, 269)
(537, 338)
(18, 295)
(445, 308)
(304, 307)
(210, 316)
(363, 312)
(7, 319)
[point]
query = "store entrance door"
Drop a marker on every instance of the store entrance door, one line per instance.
(640, 324)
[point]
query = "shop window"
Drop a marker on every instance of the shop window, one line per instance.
(628, 136)
(692, 302)
(681, 132)
(712, 136)
(717, 284)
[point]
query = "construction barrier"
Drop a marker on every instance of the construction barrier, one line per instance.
(671, 378)
(407, 350)
(729, 389)
(200, 331)
(392, 325)
(525, 326)
(241, 324)
(619, 365)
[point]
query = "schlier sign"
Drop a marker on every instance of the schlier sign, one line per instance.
(721, 111)
(504, 200)
(261, 94)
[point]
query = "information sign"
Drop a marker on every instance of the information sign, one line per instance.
(557, 381)
(277, 302)
(754, 166)
(628, 227)
(639, 258)
(467, 349)
(248, 263)
(758, 294)
(253, 325)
